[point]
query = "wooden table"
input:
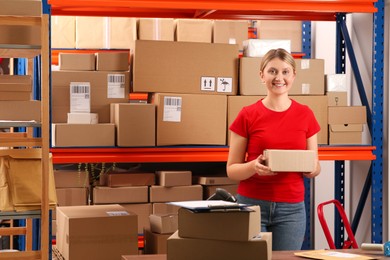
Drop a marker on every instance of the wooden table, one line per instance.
(287, 255)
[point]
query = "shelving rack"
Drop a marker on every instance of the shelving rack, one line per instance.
(303, 10)
(30, 52)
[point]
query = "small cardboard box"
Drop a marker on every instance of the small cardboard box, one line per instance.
(77, 61)
(174, 178)
(310, 79)
(165, 208)
(113, 61)
(218, 225)
(63, 31)
(163, 224)
(135, 124)
(21, 8)
(83, 118)
(230, 31)
(15, 83)
(213, 180)
(337, 98)
(78, 135)
(155, 243)
(130, 179)
(290, 160)
(181, 120)
(178, 193)
(185, 67)
(346, 124)
(71, 179)
(195, 249)
(20, 34)
(160, 29)
(72, 196)
(20, 110)
(194, 30)
(96, 232)
(107, 195)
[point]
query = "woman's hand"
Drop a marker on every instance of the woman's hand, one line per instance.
(314, 173)
(260, 167)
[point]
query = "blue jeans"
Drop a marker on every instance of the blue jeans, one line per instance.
(286, 221)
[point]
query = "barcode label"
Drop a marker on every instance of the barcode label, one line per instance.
(80, 96)
(172, 109)
(118, 213)
(116, 85)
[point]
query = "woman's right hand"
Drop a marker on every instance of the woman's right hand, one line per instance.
(260, 167)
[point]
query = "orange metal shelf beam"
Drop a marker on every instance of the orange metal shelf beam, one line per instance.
(196, 154)
(237, 9)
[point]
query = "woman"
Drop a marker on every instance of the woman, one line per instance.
(274, 122)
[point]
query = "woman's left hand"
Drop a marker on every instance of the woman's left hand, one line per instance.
(314, 173)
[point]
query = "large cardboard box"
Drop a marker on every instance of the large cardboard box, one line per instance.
(346, 124)
(230, 31)
(108, 195)
(96, 232)
(185, 67)
(79, 135)
(194, 30)
(191, 119)
(200, 249)
(318, 104)
(106, 87)
(290, 160)
(135, 124)
(107, 33)
(71, 179)
(77, 61)
(178, 193)
(20, 110)
(143, 211)
(160, 29)
(63, 31)
(218, 225)
(174, 178)
(274, 29)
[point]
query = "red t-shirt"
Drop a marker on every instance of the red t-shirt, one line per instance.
(267, 129)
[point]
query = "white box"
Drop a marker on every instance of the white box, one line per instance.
(336, 82)
(259, 47)
(83, 118)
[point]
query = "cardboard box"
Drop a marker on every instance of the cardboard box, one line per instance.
(20, 110)
(106, 88)
(198, 249)
(310, 78)
(71, 179)
(230, 31)
(143, 211)
(280, 29)
(79, 135)
(130, 179)
(250, 82)
(336, 82)
(181, 120)
(96, 232)
(83, 118)
(20, 34)
(337, 98)
(113, 61)
(108, 195)
(259, 47)
(218, 225)
(185, 67)
(194, 30)
(21, 8)
(15, 83)
(63, 31)
(107, 33)
(174, 178)
(165, 208)
(213, 180)
(161, 29)
(178, 193)
(72, 196)
(135, 124)
(290, 160)
(346, 124)
(155, 243)
(15, 96)
(318, 104)
(163, 224)
(77, 61)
